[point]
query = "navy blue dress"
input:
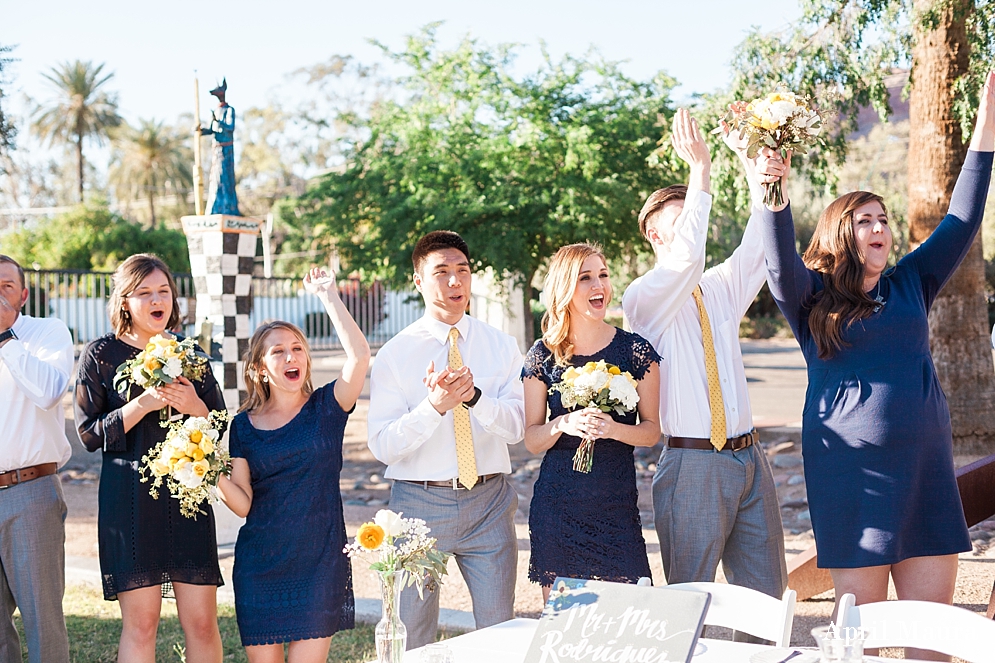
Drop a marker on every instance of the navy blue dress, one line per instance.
(587, 525)
(876, 435)
(291, 579)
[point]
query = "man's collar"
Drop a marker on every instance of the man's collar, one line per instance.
(439, 330)
(18, 325)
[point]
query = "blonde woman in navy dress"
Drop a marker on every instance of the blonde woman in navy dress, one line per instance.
(292, 581)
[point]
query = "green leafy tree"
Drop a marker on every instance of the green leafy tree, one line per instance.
(518, 167)
(82, 109)
(840, 52)
(150, 160)
(93, 238)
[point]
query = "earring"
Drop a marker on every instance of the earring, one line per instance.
(125, 313)
(265, 378)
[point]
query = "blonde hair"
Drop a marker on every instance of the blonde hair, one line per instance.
(126, 279)
(257, 390)
(559, 287)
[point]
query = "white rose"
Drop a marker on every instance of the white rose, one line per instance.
(594, 381)
(781, 111)
(196, 423)
(137, 377)
(389, 521)
(186, 477)
(621, 390)
(173, 367)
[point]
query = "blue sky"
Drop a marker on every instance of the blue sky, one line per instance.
(153, 48)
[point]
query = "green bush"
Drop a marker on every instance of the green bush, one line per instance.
(93, 238)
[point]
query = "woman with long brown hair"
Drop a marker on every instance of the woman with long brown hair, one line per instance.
(876, 431)
(146, 545)
(292, 579)
(586, 525)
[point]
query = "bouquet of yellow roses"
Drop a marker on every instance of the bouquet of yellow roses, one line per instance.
(162, 361)
(599, 384)
(782, 121)
(190, 461)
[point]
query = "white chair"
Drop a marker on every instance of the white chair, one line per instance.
(944, 628)
(744, 609)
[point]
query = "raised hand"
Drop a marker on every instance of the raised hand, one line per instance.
(320, 283)
(732, 138)
(983, 139)
(687, 139)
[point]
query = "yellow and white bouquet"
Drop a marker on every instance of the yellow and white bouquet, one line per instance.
(162, 361)
(190, 461)
(602, 385)
(783, 121)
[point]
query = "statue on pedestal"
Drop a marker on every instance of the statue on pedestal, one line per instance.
(221, 198)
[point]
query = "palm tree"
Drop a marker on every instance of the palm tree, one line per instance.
(80, 110)
(148, 159)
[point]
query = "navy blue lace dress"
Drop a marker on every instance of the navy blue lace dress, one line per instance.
(291, 579)
(587, 525)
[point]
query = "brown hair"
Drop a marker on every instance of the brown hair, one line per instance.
(437, 240)
(657, 200)
(833, 252)
(559, 287)
(20, 270)
(127, 277)
(258, 391)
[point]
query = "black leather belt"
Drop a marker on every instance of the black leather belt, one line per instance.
(452, 484)
(704, 444)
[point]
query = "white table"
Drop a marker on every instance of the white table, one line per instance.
(509, 642)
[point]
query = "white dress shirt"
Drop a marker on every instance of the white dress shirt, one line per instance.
(34, 374)
(660, 308)
(409, 435)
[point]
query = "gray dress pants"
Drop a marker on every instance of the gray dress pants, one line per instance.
(478, 527)
(719, 506)
(33, 578)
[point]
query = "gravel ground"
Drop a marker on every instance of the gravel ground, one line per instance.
(776, 386)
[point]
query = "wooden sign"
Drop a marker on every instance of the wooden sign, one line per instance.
(589, 620)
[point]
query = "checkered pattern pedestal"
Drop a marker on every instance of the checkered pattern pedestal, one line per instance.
(222, 249)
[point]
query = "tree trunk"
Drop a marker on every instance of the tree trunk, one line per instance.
(958, 323)
(527, 311)
(79, 164)
(151, 209)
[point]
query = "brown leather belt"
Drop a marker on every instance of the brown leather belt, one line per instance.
(704, 444)
(14, 477)
(452, 484)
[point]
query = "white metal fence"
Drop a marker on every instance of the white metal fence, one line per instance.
(79, 298)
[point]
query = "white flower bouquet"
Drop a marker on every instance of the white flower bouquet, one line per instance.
(782, 121)
(190, 461)
(162, 361)
(599, 384)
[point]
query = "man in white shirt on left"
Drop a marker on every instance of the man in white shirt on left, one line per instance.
(446, 400)
(36, 360)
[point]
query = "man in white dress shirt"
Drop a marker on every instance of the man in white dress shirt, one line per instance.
(36, 360)
(713, 492)
(446, 400)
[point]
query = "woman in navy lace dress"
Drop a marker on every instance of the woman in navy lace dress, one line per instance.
(586, 525)
(292, 579)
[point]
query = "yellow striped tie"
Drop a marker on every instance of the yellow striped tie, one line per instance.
(466, 461)
(712, 371)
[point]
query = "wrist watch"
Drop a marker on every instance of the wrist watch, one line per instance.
(9, 334)
(473, 401)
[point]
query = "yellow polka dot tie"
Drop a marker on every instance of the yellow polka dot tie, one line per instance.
(712, 371)
(466, 461)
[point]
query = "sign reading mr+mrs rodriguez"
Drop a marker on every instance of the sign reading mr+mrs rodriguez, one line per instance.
(589, 620)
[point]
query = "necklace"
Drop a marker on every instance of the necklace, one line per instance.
(878, 299)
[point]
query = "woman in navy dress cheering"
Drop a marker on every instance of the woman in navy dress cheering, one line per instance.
(292, 580)
(586, 525)
(876, 433)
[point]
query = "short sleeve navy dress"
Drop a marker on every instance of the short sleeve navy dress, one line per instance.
(292, 579)
(587, 525)
(143, 541)
(876, 434)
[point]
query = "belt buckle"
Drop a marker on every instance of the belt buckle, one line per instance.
(456, 485)
(17, 478)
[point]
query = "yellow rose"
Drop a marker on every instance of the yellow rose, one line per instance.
(614, 370)
(590, 365)
(198, 454)
(207, 446)
(201, 467)
(150, 347)
(160, 467)
(191, 447)
(181, 463)
(151, 364)
(570, 374)
(370, 536)
(177, 453)
(195, 436)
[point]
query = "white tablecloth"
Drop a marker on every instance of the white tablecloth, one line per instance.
(509, 642)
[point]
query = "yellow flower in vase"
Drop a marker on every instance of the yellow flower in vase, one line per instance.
(370, 536)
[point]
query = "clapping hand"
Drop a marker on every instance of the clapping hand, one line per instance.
(320, 283)
(447, 388)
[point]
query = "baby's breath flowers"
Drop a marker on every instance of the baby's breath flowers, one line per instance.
(602, 385)
(190, 461)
